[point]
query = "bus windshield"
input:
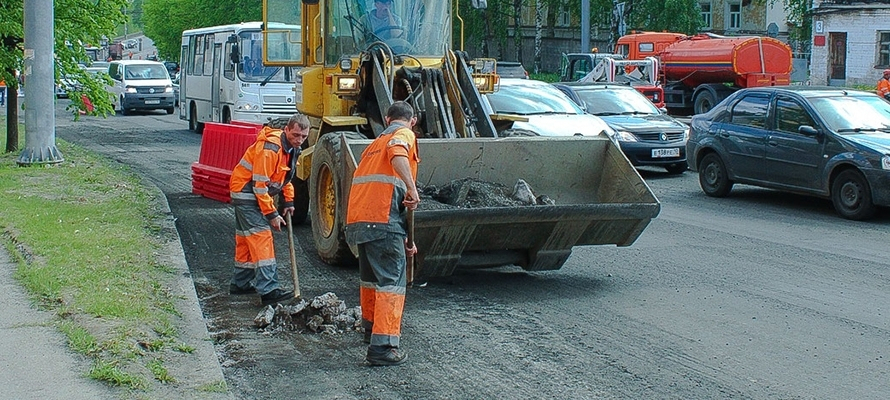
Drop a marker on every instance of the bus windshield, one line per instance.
(415, 27)
(251, 68)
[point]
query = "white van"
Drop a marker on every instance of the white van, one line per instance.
(140, 85)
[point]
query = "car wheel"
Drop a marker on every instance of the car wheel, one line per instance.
(169, 110)
(712, 176)
(676, 169)
(704, 102)
(851, 196)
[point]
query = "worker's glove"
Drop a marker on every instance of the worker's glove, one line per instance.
(274, 188)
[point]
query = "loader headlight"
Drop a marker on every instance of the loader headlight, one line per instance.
(346, 64)
(345, 84)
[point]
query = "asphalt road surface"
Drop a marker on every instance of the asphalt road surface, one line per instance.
(762, 295)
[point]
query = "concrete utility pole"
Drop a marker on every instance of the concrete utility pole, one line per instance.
(585, 26)
(40, 120)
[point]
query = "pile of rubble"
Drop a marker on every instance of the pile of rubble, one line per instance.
(474, 193)
(323, 314)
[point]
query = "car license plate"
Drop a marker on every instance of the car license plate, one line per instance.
(665, 153)
(159, 102)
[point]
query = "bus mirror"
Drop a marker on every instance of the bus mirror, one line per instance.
(235, 56)
(232, 39)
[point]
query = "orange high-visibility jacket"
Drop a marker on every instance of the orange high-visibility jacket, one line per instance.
(375, 180)
(264, 165)
(883, 87)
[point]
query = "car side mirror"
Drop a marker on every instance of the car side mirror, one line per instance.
(809, 131)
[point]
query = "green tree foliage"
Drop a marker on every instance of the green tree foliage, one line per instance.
(683, 16)
(77, 23)
(164, 20)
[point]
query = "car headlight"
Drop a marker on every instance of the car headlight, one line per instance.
(168, 89)
(686, 134)
(885, 162)
(246, 106)
(130, 89)
(625, 136)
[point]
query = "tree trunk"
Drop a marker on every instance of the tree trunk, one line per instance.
(517, 28)
(12, 115)
(538, 34)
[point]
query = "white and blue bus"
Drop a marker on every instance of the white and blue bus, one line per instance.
(222, 76)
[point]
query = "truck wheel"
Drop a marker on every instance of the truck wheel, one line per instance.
(851, 196)
(301, 201)
(325, 193)
(704, 102)
(712, 176)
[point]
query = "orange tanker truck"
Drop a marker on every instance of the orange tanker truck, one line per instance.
(699, 71)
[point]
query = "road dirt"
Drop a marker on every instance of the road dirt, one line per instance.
(714, 301)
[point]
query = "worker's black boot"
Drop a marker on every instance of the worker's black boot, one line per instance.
(276, 296)
(384, 355)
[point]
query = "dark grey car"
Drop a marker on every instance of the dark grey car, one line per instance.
(822, 141)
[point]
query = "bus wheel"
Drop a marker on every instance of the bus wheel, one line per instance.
(194, 125)
(227, 116)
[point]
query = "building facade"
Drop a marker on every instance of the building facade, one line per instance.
(851, 42)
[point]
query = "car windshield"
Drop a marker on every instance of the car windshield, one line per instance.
(146, 71)
(530, 99)
(853, 114)
(616, 102)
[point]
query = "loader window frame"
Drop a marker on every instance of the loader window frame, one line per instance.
(283, 40)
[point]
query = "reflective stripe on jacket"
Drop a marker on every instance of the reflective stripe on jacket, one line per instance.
(264, 166)
(377, 191)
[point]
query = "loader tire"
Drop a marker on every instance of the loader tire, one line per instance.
(328, 202)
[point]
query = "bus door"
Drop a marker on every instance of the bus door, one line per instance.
(215, 88)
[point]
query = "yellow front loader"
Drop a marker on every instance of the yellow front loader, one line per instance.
(351, 70)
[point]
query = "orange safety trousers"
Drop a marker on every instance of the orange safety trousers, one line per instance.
(382, 288)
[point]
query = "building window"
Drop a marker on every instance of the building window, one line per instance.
(883, 48)
(563, 17)
(735, 15)
(705, 14)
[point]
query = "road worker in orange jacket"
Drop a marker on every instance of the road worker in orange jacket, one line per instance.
(884, 85)
(382, 189)
(265, 171)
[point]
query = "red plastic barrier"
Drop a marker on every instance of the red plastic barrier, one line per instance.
(246, 123)
(222, 147)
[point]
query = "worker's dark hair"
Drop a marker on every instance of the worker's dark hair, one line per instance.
(400, 110)
(298, 119)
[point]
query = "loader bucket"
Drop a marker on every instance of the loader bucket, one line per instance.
(599, 199)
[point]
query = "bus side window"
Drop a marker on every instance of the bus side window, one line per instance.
(228, 65)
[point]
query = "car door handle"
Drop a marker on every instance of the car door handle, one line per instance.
(772, 143)
(723, 134)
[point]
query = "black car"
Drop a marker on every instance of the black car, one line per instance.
(824, 141)
(647, 135)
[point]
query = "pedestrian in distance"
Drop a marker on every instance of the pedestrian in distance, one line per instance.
(383, 189)
(265, 171)
(884, 85)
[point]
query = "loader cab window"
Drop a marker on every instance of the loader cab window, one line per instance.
(415, 27)
(251, 68)
(282, 41)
